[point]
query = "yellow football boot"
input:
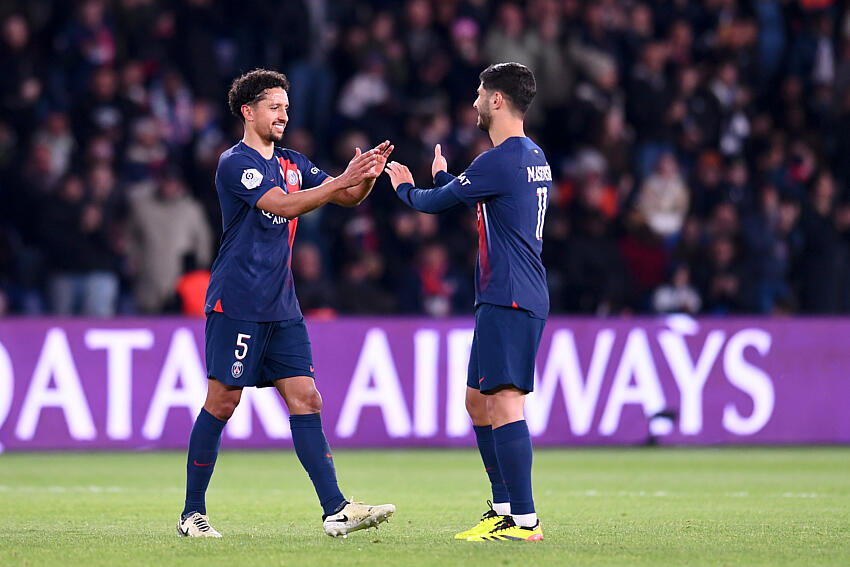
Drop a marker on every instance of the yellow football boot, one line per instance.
(507, 530)
(487, 523)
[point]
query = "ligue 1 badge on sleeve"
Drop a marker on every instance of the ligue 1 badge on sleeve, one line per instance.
(292, 177)
(236, 369)
(251, 178)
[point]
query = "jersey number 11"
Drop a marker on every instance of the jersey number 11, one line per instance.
(542, 194)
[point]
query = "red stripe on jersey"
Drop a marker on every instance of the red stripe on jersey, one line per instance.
(217, 307)
(293, 225)
(288, 166)
(483, 257)
(514, 305)
(284, 165)
(291, 183)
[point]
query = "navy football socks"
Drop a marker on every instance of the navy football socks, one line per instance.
(315, 455)
(487, 448)
(513, 450)
(203, 451)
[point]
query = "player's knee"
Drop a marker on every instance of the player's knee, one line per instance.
(222, 409)
(314, 402)
(476, 407)
(505, 406)
(472, 408)
(306, 402)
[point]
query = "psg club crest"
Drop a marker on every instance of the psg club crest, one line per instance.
(291, 177)
(236, 369)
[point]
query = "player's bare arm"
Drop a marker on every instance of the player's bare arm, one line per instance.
(353, 196)
(291, 205)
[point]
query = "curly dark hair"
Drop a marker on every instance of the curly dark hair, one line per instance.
(515, 82)
(251, 88)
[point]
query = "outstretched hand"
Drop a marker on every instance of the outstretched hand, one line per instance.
(398, 174)
(360, 167)
(439, 163)
(384, 150)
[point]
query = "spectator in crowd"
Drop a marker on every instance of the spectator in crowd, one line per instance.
(773, 244)
(431, 287)
(316, 293)
(723, 281)
(76, 237)
(595, 273)
(649, 99)
(56, 137)
(147, 153)
(171, 104)
(677, 296)
(165, 226)
(21, 83)
(663, 198)
(824, 254)
(361, 290)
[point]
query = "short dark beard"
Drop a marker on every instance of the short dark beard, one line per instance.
(484, 121)
(271, 134)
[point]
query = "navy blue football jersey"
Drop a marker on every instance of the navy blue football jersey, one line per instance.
(510, 186)
(252, 276)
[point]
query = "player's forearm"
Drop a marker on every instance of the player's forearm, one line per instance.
(434, 200)
(353, 196)
(443, 178)
(291, 205)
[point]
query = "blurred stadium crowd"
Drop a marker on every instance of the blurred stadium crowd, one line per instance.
(697, 145)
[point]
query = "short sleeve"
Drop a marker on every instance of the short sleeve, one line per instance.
(482, 180)
(311, 175)
(241, 177)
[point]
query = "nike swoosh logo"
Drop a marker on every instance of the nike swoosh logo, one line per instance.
(482, 379)
(343, 519)
(197, 464)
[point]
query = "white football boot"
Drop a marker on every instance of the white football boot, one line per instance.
(356, 516)
(196, 525)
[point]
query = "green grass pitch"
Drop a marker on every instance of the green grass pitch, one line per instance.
(743, 506)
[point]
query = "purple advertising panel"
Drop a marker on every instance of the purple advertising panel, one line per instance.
(389, 382)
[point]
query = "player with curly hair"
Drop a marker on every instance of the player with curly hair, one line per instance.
(255, 333)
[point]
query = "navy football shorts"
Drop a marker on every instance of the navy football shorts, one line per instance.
(504, 347)
(247, 353)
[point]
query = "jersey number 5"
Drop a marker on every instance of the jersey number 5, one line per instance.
(542, 194)
(241, 344)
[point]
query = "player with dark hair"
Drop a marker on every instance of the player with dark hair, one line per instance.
(509, 185)
(255, 333)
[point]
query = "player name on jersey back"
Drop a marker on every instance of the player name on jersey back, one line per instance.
(539, 173)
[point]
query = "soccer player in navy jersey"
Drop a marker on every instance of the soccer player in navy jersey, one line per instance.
(255, 333)
(509, 185)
